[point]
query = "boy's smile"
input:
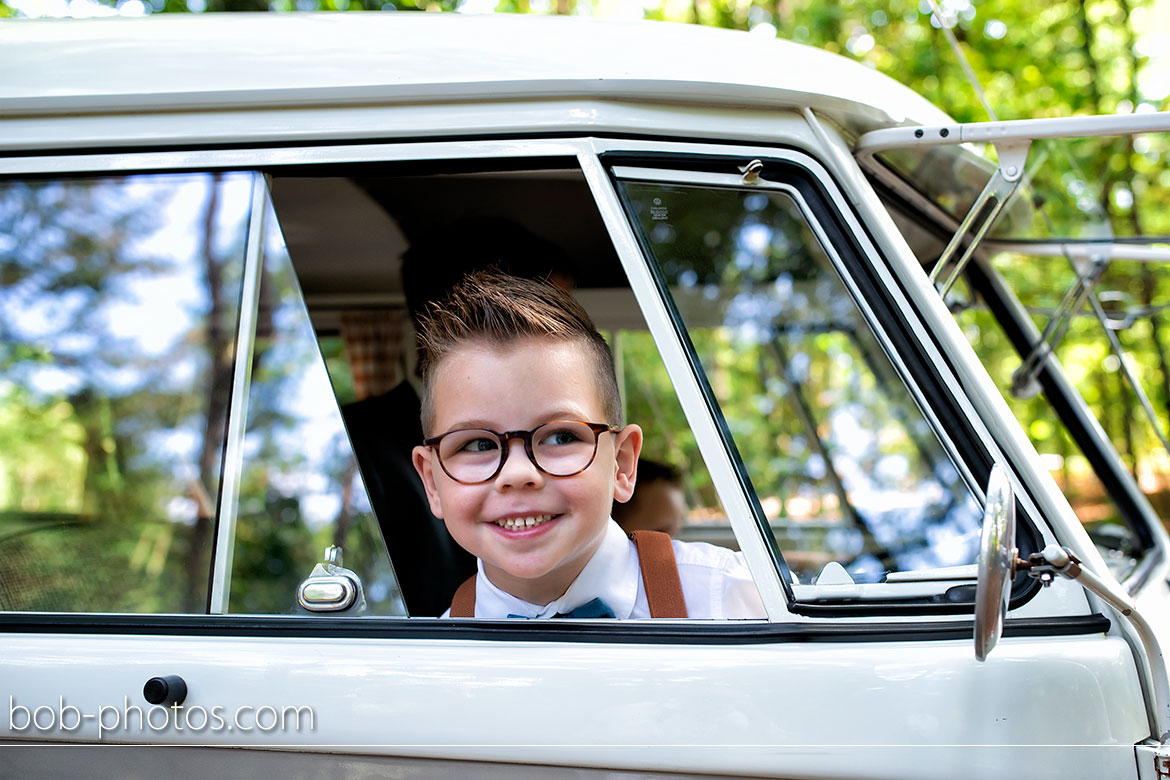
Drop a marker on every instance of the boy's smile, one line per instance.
(534, 532)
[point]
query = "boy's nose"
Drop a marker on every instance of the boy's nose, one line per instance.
(518, 468)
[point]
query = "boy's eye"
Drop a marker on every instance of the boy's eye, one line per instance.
(480, 444)
(560, 436)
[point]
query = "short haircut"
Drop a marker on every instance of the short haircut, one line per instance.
(498, 309)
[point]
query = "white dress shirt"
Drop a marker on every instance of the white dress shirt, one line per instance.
(716, 584)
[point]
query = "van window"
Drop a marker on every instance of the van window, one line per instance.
(118, 309)
(1086, 472)
(846, 469)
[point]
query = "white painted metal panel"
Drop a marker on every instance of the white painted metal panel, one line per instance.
(268, 61)
(490, 116)
(772, 710)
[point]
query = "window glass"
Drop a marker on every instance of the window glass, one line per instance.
(118, 310)
(300, 489)
(845, 467)
(1094, 370)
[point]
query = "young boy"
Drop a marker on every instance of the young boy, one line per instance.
(525, 456)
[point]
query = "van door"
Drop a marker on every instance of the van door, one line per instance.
(850, 494)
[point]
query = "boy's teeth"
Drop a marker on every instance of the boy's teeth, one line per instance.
(515, 523)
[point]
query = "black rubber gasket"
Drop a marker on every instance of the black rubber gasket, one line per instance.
(597, 632)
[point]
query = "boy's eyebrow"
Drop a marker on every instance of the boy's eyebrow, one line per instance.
(553, 416)
(470, 424)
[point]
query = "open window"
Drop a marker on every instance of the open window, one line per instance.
(207, 393)
(355, 233)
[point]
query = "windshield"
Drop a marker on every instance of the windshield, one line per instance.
(1081, 189)
(1003, 311)
(1075, 266)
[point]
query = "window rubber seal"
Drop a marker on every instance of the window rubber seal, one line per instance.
(559, 631)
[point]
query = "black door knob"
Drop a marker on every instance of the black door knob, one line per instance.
(165, 690)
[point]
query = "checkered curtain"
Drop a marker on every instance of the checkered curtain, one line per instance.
(373, 347)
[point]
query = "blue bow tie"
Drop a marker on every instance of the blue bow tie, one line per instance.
(590, 609)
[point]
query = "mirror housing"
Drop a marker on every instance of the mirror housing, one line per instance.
(996, 563)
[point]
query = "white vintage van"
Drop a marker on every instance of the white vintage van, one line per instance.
(207, 538)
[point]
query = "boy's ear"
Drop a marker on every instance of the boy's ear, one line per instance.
(424, 461)
(628, 445)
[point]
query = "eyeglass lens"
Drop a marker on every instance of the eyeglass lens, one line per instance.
(560, 448)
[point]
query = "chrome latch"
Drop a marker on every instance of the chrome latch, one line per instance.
(751, 172)
(331, 587)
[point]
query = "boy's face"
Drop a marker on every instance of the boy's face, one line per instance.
(518, 387)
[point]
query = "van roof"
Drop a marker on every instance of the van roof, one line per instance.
(218, 61)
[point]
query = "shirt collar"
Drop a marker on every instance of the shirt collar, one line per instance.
(611, 575)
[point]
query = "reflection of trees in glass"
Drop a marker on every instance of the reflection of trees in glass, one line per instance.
(300, 491)
(844, 464)
(111, 293)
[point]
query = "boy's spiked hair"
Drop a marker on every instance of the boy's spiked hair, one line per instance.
(493, 307)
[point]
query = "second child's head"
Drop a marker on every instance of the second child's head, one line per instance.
(503, 355)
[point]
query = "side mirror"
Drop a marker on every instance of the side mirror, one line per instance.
(996, 563)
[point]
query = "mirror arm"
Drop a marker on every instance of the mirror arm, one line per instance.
(1054, 561)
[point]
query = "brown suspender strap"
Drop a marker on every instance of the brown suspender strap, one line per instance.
(659, 578)
(463, 603)
(660, 574)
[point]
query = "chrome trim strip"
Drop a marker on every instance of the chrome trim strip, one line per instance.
(233, 458)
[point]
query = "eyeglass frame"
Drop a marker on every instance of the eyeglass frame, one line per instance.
(506, 437)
